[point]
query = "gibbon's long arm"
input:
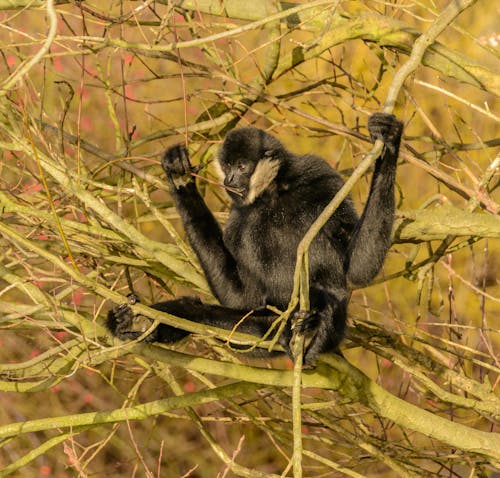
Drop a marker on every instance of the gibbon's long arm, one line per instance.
(371, 238)
(202, 229)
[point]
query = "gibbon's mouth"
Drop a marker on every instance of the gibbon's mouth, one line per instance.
(238, 191)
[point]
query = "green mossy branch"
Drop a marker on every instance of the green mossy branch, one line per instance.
(437, 222)
(138, 412)
(332, 373)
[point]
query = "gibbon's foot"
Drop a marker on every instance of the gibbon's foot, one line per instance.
(305, 322)
(177, 166)
(387, 128)
(121, 323)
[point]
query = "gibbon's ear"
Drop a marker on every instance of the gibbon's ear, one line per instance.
(264, 174)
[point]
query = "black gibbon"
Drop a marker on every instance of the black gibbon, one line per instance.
(276, 195)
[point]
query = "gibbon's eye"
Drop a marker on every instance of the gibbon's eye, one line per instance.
(242, 167)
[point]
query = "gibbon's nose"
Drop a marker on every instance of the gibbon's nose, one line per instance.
(229, 180)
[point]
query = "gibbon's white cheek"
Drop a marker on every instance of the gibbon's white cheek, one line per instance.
(264, 174)
(218, 171)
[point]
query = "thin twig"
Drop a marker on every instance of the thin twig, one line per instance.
(25, 67)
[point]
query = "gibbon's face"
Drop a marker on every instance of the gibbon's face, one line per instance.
(248, 164)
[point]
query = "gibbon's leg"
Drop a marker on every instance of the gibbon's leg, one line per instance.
(120, 320)
(323, 327)
(372, 236)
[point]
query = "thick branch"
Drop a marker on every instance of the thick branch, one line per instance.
(437, 223)
(335, 374)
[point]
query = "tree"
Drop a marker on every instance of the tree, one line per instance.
(89, 98)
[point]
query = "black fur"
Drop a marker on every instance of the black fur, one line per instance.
(276, 197)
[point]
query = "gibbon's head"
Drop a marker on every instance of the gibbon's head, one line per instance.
(249, 161)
